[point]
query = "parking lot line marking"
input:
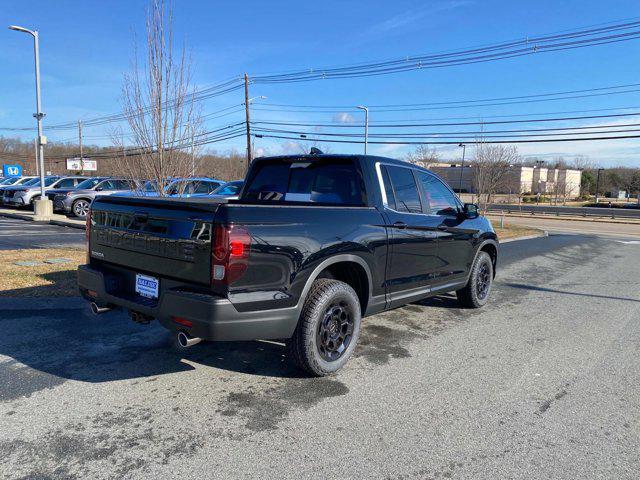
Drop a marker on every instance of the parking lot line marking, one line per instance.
(23, 234)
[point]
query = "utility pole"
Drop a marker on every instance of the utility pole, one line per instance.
(464, 149)
(598, 183)
(80, 142)
(247, 120)
(366, 126)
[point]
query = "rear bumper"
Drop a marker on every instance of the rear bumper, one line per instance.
(213, 317)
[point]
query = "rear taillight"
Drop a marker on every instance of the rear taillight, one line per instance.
(87, 234)
(229, 253)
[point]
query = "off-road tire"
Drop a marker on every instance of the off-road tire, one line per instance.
(472, 296)
(303, 347)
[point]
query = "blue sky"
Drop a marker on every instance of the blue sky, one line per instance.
(87, 46)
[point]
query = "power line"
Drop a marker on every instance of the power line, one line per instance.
(209, 92)
(571, 39)
(526, 46)
(481, 132)
(452, 105)
(566, 92)
(359, 142)
(479, 136)
(406, 125)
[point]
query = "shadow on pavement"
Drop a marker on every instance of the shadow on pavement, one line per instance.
(74, 344)
(62, 283)
(523, 286)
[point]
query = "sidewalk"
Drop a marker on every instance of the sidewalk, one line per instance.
(553, 216)
(55, 218)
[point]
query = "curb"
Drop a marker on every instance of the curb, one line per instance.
(43, 303)
(19, 216)
(69, 224)
(542, 234)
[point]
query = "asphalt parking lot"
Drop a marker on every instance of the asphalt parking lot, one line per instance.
(18, 234)
(541, 383)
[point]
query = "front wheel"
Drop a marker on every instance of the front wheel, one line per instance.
(80, 208)
(328, 328)
(475, 294)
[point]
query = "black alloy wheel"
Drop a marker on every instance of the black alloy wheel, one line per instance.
(335, 331)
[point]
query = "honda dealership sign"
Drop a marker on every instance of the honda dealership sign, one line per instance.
(11, 170)
(82, 164)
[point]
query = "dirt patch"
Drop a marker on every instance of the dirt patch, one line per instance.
(35, 278)
(514, 231)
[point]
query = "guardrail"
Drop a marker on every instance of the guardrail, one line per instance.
(622, 213)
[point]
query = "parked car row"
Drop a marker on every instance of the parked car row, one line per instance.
(72, 195)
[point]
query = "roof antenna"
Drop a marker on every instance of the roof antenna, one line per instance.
(315, 151)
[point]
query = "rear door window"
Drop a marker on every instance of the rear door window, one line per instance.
(407, 198)
(334, 182)
(66, 183)
(439, 199)
(204, 187)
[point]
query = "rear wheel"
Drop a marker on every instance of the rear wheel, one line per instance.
(328, 328)
(80, 208)
(476, 293)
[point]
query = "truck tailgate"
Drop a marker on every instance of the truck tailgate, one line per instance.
(167, 238)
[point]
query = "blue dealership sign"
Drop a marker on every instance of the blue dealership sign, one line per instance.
(11, 170)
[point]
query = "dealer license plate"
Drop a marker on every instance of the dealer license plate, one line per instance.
(147, 286)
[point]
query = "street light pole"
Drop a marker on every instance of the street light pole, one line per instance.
(366, 126)
(247, 119)
(464, 148)
(43, 207)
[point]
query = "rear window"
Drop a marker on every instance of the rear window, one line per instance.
(88, 183)
(407, 198)
(333, 182)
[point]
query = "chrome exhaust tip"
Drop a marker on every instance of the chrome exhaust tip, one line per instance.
(185, 340)
(97, 310)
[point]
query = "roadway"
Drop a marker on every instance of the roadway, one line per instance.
(630, 213)
(541, 383)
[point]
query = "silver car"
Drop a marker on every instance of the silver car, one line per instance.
(77, 201)
(24, 195)
(14, 181)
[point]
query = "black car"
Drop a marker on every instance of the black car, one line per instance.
(313, 244)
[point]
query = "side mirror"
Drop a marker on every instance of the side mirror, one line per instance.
(471, 210)
(99, 189)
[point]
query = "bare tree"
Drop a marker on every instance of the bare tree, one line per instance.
(491, 166)
(424, 156)
(305, 147)
(582, 162)
(229, 166)
(158, 101)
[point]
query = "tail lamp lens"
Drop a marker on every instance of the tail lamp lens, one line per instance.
(230, 252)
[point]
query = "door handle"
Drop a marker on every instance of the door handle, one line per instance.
(400, 225)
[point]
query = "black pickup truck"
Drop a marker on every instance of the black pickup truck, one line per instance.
(313, 244)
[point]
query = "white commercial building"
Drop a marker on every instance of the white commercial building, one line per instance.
(518, 180)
